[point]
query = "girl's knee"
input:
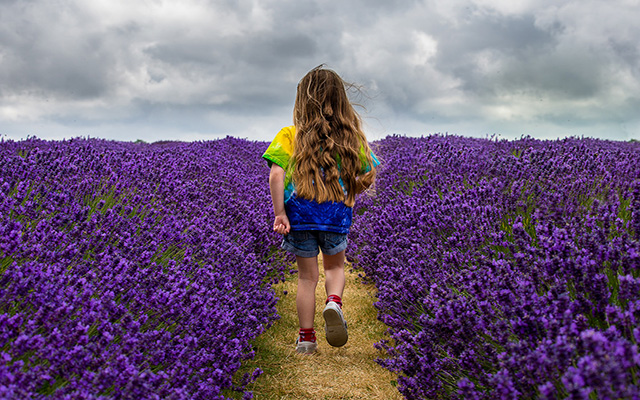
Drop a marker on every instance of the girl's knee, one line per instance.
(334, 267)
(308, 268)
(308, 280)
(311, 276)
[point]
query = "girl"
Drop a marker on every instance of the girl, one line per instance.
(317, 168)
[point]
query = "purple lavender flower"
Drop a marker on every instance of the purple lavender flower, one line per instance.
(505, 269)
(119, 274)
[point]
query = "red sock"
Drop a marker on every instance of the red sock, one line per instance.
(335, 298)
(308, 335)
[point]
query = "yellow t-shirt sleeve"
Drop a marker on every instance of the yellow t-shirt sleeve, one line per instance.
(281, 148)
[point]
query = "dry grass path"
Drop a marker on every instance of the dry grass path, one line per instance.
(348, 372)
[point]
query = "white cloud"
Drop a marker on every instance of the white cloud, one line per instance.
(425, 49)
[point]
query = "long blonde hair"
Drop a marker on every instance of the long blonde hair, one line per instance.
(329, 142)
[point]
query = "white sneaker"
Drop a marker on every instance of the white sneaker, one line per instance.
(306, 347)
(335, 326)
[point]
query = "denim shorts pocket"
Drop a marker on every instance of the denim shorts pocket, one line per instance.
(333, 243)
(299, 237)
(300, 243)
(332, 239)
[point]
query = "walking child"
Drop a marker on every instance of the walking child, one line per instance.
(318, 165)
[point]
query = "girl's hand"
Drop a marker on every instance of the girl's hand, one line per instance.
(281, 224)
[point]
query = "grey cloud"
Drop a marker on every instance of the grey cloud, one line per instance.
(514, 41)
(512, 35)
(280, 49)
(556, 75)
(275, 50)
(198, 52)
(628, 52)
(164, 71)
(42, 57)
(248, 71)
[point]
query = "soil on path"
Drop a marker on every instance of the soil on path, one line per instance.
(348, 372)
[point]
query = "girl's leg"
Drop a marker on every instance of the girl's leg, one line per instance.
(334, 324)
(334, 273)
(306, 297)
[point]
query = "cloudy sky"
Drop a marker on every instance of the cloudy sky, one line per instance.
(204, 69)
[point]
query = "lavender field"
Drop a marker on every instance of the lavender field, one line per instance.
(132, 271)
(504, 269)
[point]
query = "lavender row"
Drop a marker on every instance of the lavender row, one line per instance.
(506, 269)
(132, 271)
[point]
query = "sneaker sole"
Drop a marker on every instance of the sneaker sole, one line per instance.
(304, 348)
(336, 332)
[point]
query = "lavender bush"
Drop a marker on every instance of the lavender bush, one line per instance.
(132, 271)
(506, 269)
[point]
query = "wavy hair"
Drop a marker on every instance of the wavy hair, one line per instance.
(329, 143)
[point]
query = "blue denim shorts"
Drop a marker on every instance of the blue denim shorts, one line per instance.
(306, 243)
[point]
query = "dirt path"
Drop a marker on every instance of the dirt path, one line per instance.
(348, 372)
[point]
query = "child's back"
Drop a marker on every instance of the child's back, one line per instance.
(318, 166)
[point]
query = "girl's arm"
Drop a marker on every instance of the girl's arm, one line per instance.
(276, 186)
